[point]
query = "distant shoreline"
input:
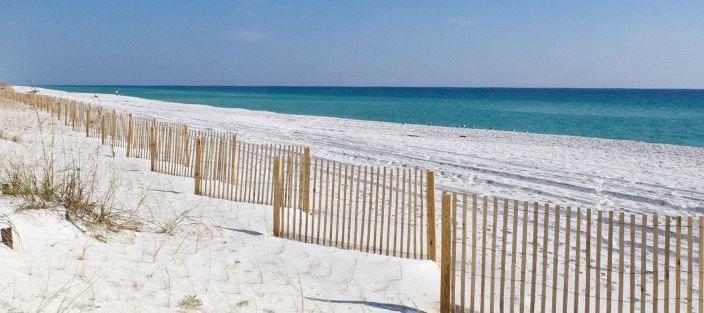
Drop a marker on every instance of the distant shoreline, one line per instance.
(654, 116)
(374, 87)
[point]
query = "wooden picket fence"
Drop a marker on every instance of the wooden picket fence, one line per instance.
(507, 256)
(225, 168)
(365, 208)
(234, 170)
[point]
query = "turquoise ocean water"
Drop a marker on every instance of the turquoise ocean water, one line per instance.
(658, 116)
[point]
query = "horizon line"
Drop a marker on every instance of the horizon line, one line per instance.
(369, 86)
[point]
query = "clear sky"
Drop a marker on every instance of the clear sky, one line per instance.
(640, 44)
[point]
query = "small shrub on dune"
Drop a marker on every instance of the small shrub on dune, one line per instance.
(85, 206)
(20, 180)
(190, 303)
(5, 136)
(84, 203)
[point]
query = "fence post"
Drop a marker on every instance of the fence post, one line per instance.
(88, 122)
(74, 109)
(277, 196)
(153, 146)
(129, 135)
(197, 165)
(306, 179)
(186, 148)
(102, 128)
(430, 197)
(113, 128)
(445, 257)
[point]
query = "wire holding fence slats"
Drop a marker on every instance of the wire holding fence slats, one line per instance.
(364, 208)
(239, 171)
(550, 246)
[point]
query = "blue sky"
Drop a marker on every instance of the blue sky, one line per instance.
(641, 44)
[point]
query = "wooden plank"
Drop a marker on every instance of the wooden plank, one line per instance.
(412, 210)
(197, 169)
(678, 262)
(643, 269)
(453, 261)
(267, 191)
(364, 211)
(597, 277)
(655, 263)
(313, 212)
(544, 280)
(445, 272)
(324, 205)
(666, 270)
(349, 225)
(153, 147)
(130, 135)
(233, 164)
(337, 214)
(502, 274)
(473, 264)
(493, 254)
(421, 215)
(588, 262)
(690, 270)
(621, 253)
(88, 117)
(356, 209)
(566, 278)
(241, 166)
(221, 166)
(306, 179)
(277, 197)
(290, 208)
(408, 233)
(376, 210)
(403, 211)
(249, 186)
(609, 267)
(320, 203)
(514, 244)
(242, 192)
(463, 266)
(330, 203)
(533, 274)
(344, 208)
(555, 255)
(398, 175)
(260, 181)
(700, 262)
(632, 304)
(186, 146)
(383, 203)
(482, 273)
(388, 220)
(577, 257)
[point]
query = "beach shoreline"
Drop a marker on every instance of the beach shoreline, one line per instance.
(578, 171)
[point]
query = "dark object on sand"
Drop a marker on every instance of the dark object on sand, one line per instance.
(7, 236)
